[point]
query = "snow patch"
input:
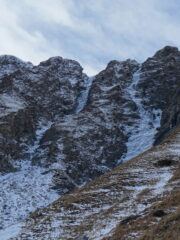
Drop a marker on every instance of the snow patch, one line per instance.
(42, 128)
(23, 192)
(84, 95)
(10, 104)
(10, 232)
(163, 180)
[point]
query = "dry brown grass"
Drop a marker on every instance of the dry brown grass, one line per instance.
(148, 227)
(143, 193)
(166, 229)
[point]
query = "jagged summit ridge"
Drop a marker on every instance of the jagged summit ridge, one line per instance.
(10, 59)
(167, 51)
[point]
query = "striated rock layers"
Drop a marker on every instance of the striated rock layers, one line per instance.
(77, 127)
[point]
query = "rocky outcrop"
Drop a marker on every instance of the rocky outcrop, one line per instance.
(170, 118)
(159, 88)
(17, 132)
(160, 78)
(32, 96)
(86, 142)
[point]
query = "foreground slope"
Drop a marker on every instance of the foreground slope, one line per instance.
(137, 200)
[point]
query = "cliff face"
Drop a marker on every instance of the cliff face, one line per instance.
(60, 129)
(33, 97)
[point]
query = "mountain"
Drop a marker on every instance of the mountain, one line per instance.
(60, 129)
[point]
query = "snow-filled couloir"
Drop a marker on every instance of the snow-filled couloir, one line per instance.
(142, 133)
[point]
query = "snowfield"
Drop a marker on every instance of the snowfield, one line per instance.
(24, 191)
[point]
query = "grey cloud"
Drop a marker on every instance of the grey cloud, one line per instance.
(92, 32)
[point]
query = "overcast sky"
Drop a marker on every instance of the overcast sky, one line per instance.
(92, 32)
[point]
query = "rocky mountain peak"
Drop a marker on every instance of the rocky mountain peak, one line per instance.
(9, 59)
(122, 65)
(52, 61)
(10, 64)
(167, 51)
(60, 62)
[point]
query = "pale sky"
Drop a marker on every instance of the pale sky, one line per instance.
(93, 32)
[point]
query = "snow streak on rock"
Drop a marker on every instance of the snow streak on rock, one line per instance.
(84, 95)
(42, 128)
(142, 133)
(10, 231)
(9, 104)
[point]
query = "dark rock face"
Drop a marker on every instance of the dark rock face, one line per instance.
(159, 87)
(40, 120)
(33, 95)
(16, 129)
(160, 78)
(170, 117)
(86, 142)
(166, 52)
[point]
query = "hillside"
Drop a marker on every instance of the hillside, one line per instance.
(138, 199)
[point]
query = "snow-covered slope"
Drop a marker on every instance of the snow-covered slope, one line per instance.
(27, 189)
(24, 191)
